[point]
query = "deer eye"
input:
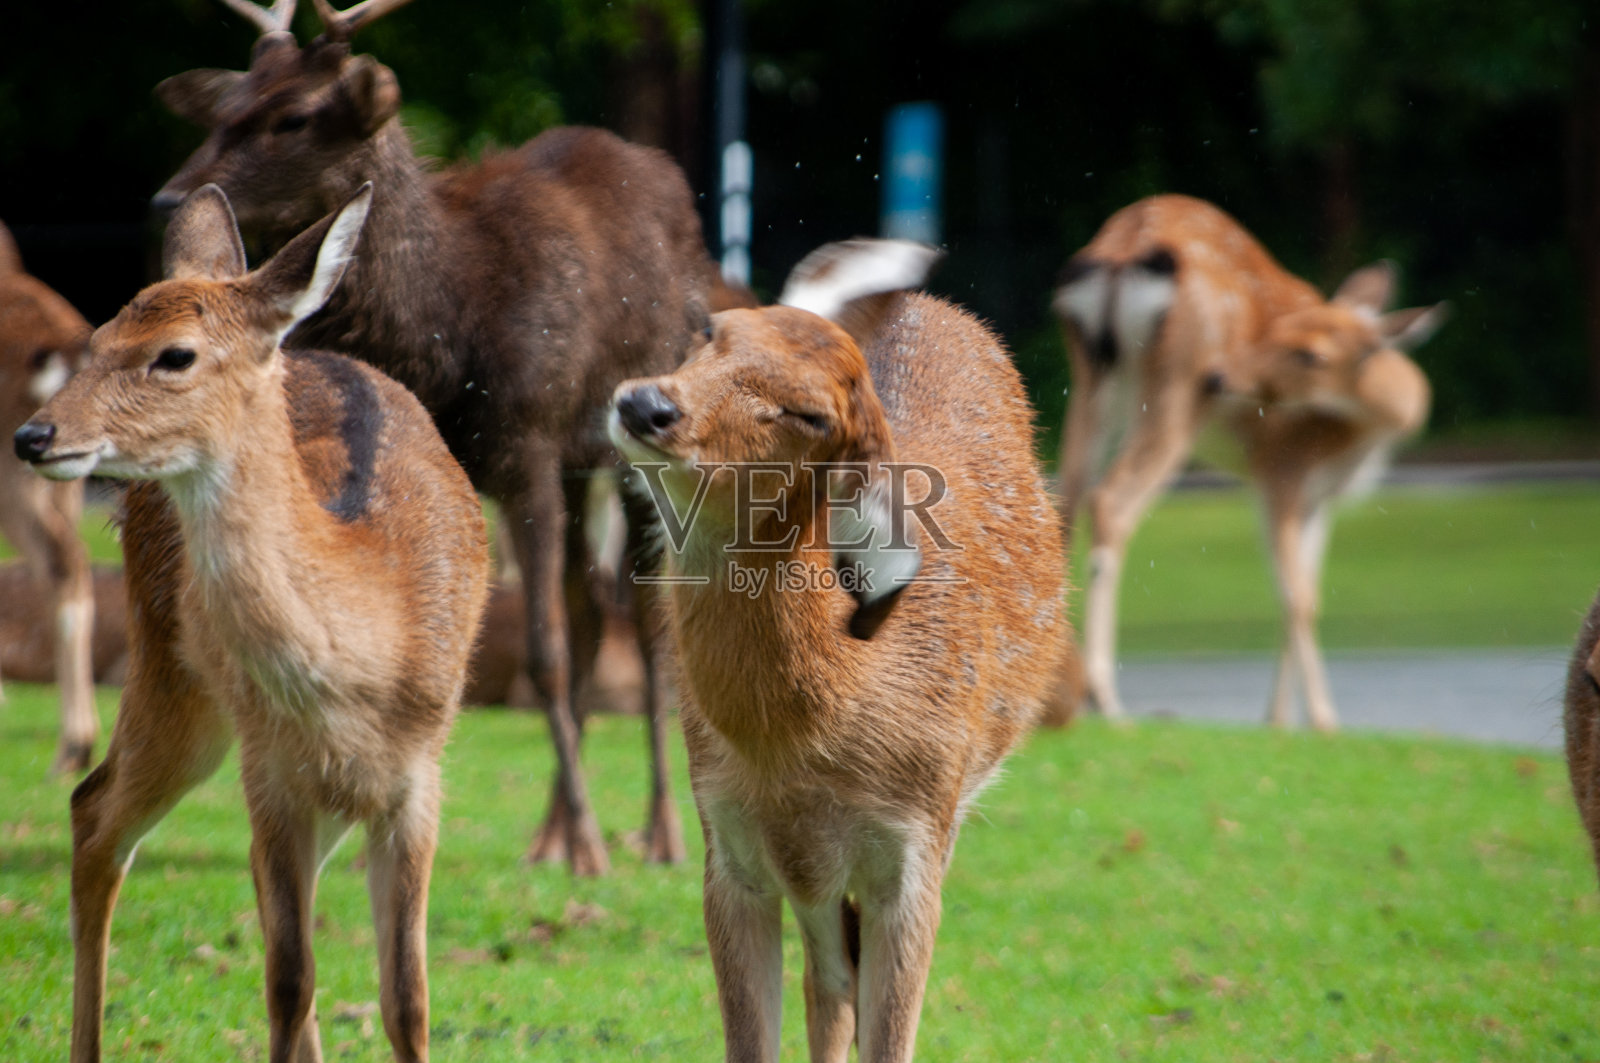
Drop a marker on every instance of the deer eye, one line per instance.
(175, 359)
(289, 123)
(814, 421)
(37, 359)
(1307, 358)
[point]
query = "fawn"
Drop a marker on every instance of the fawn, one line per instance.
(42, 341)
(853, 679)
(306, 568)
(1176, 318)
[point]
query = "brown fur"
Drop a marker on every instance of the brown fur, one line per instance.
(1315, 392)
(1583, 725)
(43, 337)
(28, 634)
(829, 768)
(511, 295)
(306, 572)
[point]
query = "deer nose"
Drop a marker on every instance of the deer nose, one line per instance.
(646, 410)
(33, 440)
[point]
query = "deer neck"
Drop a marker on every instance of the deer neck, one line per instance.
(763, 637)
(252, 525)
(398, 306)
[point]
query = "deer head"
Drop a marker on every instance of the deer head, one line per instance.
(170, 382)
(787, 387)
(42, 338)
(1339, 356)
(292, 137)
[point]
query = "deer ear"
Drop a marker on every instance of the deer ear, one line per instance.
(196, 95)
(372, 91)
(299, 279)
(852, 282)
(10, 257)
(202, 241)
(1369, 288)
(1406, 330)
(876, 557)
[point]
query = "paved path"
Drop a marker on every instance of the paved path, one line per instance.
(1508, 696)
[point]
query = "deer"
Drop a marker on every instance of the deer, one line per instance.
(852, 677)
(42, 340)
(1177, 319)
(510, 295)
(306, 567)
(1582, 725)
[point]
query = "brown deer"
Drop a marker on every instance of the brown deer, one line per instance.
(42, 340)
(306, 568)
(511, 295)
(1583, 725)
(1177, 318)
(853, 680)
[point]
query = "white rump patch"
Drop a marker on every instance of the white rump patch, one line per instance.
(49, 378)
(1083, 302)
(835, 275)
(1141, 302)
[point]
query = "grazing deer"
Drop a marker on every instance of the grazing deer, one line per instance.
(511, 295)
(855, 682)
(1583, 725)
(1177, 317)
(42, 340)
(306, 571)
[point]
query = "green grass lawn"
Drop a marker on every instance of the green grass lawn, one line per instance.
(1158, 892)
(1414, 567)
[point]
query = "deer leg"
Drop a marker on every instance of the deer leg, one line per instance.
(74, 582)
(399, 864)
(1161, 439)
(289, 842)
(539, 523)
(41, 520)
(167, 738)
(664, 832)
(744, 924)
(830, 977)
(1299, 538)
(1081, 437)
(585, 623)
(898, 924)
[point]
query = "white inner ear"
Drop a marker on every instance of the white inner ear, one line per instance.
(835, 275)
(337, 250)
(868, 519)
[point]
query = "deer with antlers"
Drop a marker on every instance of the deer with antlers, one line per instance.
(306, 568)
(1177, 318)
(511, 295)
(856, 663)
(42, 340)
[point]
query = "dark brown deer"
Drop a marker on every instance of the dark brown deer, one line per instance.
(852, 684)
(42, 340)
(510, 295)
(306, 567)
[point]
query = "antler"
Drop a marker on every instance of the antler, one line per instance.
(275, 19)
(341, 25)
